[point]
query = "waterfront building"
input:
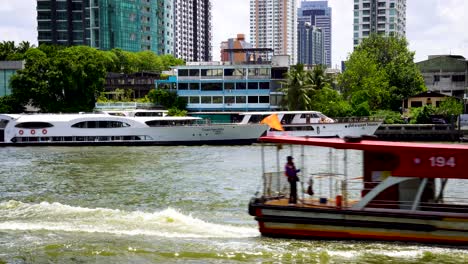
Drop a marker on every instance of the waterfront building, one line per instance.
(107, 24)
(234, 50)
(386, 17)
(314, 14)
(446, 74)
(310, 46)
(192, 28)
(140, 83)
(7, 69)
(425, 98)
(273, 25)
(216, 86)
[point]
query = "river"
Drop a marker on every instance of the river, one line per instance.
(157, 205)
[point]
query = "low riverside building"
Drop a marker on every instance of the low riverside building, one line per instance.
(447, 74)
(424, 98)
(8, 69)
(140, 83)
(225, 86)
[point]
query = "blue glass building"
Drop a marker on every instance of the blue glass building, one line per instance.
(318, 14)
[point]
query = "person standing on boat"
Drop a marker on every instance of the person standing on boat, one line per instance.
(291, 172)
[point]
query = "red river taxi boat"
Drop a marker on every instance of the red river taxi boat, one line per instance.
(403, 193)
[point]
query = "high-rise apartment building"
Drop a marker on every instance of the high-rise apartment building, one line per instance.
(273, 24)
(318, 14)
(106, 24)
(193, 30)
(310, 45)
(387, 17)
(62, 22)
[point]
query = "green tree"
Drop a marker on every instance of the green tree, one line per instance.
(385, 67)
(330, 102)
(9, 104)
(364, 81)
(31, 85)
(296, 89)
(70, 81)
(449, 107)
(318, 77)
(167, 99)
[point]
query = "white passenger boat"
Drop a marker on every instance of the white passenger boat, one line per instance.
(315, 124)
(114, 129)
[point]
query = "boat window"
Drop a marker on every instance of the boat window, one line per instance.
(163, 123)
(287, 119)
(3, 123)
(256, 118)
(100, 124)
(34, 125)
(117, 114)
(148, 114)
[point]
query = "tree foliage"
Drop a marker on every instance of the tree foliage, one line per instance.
(296, 88)
(70, 79)
(168, 99)
(8, 104)
(382, 72)
(10, 51)
(67, 82)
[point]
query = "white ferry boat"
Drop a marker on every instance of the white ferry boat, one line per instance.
(315, 124)
(121, 129)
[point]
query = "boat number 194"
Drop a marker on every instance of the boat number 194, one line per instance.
(442, 162)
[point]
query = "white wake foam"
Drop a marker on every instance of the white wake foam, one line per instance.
(16, 215)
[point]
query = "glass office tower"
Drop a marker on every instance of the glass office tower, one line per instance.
(131, 25)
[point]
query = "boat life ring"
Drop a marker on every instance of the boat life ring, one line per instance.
(33, 131)
(21, 132)
(44, 131)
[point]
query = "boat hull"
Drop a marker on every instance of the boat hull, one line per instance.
(220, 142)
(354, 129)
(380, 225)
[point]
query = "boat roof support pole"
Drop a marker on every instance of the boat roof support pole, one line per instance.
(330, 169)
(344, 185)
(278, 148)
(263, 170)
(417, 199)
(303, 171)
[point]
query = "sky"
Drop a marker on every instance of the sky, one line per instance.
(432, 26)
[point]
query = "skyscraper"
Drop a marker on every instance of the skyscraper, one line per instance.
(310, 45)
(62, 22)
(318, 14)
(193, 29)
(106, 24)
(387, 17)
(273, 25)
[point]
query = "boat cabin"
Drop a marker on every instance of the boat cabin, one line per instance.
(355, 188)
(407, 176)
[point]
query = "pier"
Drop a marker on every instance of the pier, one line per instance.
(419, 132)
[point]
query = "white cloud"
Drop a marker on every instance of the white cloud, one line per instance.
(433, 26)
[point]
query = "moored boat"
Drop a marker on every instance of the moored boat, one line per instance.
(407, 192)
(316, 124)
(125, 129)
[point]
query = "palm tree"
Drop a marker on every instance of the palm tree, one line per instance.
(318, 78)
(23, 47)
(7, 48)
(296, 88)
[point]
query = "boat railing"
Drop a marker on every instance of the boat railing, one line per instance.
(354, 119)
